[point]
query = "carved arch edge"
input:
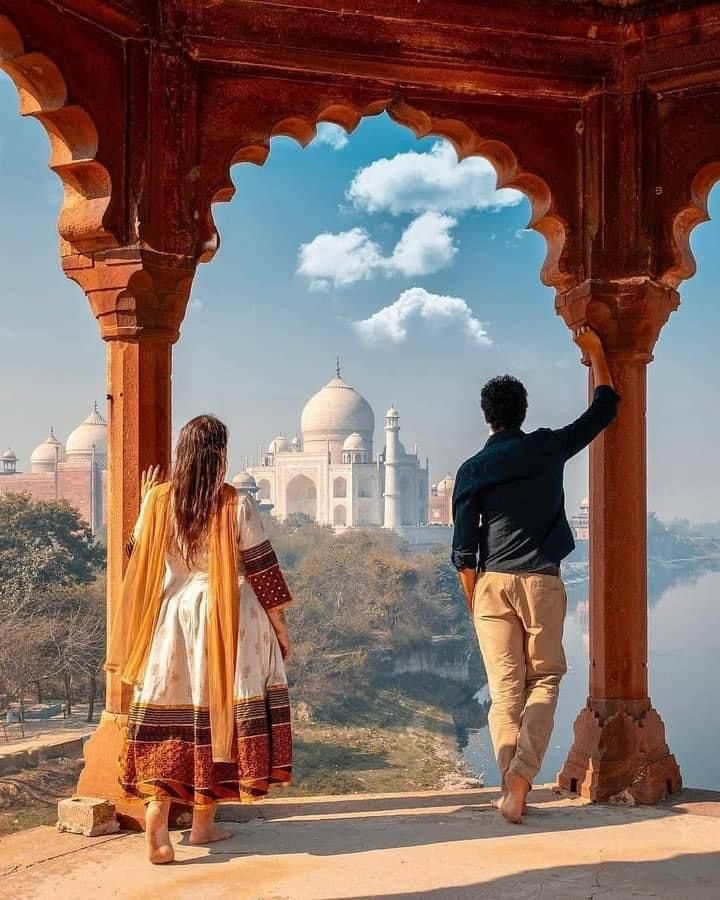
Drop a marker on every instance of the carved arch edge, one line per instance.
(694, 213)
(467, 142)
(73, 137)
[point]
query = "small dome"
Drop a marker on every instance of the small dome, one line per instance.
(9, 456)
(392, 413)
(445, 485)
(88, 438)
(46, 455)
(244, 481)
(585, 504)
(280, 444)
(354, 442)
(295, 443)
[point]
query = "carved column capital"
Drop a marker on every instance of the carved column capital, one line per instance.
(628, 313)
(135, 294)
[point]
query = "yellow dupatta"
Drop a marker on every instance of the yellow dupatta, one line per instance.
(135, 620)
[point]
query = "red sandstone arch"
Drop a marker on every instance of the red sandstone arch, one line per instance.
(686, 220)
(466, 141)
(73, 141)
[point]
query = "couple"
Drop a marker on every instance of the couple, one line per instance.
(201, 636)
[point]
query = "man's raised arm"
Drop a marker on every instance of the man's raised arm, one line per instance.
(603, 409)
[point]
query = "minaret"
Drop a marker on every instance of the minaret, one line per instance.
(392, 479)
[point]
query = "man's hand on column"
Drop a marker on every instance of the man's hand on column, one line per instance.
(591, 346)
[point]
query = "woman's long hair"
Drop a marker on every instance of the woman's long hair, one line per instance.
(197, 481)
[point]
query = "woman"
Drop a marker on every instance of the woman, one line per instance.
(202, 637)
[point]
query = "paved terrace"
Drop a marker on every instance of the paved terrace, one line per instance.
(425, 845)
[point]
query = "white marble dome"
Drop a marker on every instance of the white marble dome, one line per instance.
(9, 456)
(445, 485)
(354, 442)
(244, 481)
(334, 413)
(280, 444)
(87, 439)
(46, 455)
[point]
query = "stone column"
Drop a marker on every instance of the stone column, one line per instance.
(619, 738)
(139, 299)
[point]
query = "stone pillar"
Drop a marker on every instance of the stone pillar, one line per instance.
(619, 740)
(139, 299)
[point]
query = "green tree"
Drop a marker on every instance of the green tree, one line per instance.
(27, 527)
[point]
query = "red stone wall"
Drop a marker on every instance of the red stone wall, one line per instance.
(73, 484)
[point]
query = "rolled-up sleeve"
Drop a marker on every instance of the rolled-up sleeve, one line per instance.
(603, 409)
(260, 564)
(466, 516)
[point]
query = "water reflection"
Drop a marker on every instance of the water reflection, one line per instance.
(684, 630)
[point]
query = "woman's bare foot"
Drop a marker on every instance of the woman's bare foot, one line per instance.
(157, 836)
(513, 804)
(204, 828)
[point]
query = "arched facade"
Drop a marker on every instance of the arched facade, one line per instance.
(302, 497)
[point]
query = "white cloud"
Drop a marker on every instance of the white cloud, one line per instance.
(330, 135)
(426, 245)
(345, 258)
(340, 259)
(417, 182)
(390, 323)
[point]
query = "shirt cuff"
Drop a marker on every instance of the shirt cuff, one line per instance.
(605, 392)
(464, 559)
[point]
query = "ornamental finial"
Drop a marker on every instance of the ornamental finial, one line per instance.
(337, 366)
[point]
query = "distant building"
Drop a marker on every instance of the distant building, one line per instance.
(580, 523)
(330, 471)
(75, 471)
(441, 501)
(244, 483)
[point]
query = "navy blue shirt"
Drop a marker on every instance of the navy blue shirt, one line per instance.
(509, 503)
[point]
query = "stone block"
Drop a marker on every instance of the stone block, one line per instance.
(90, 816)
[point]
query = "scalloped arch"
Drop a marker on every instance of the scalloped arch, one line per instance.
(464, 139)
(685, 221)
(73, 141)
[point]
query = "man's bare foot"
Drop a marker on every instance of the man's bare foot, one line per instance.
(513, 804)
(204, 829)
(157, 836)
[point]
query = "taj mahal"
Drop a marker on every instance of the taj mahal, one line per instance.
(331, 473)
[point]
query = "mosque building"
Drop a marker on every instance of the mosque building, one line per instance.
(331, 473)
(75, 471)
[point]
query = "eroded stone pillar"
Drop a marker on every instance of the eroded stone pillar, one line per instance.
(619, 740)
(139, 299)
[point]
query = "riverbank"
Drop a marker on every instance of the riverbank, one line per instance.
(403, 734)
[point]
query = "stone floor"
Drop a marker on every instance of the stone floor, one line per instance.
(429, 845)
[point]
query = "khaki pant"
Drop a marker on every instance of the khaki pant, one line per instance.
(519, 622)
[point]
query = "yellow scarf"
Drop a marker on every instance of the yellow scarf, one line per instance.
(135, 620)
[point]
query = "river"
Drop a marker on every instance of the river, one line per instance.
(684, 633)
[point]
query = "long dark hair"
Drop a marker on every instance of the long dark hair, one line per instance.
(197, 481)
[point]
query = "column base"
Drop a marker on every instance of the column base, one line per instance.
(620, 750)
(99, 777)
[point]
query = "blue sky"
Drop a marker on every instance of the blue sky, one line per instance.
(379, 249)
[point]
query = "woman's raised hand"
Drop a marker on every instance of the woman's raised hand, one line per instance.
(150, 478)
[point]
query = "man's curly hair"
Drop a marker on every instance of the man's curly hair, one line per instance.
(504, 402)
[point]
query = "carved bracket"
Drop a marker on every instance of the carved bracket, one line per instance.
(628, 313)
(73, 142)
(135, 294)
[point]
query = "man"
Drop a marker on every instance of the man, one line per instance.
(511, 535)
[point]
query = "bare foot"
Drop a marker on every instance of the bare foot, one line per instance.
(209, 836)
(157, 836)
(513, 804)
